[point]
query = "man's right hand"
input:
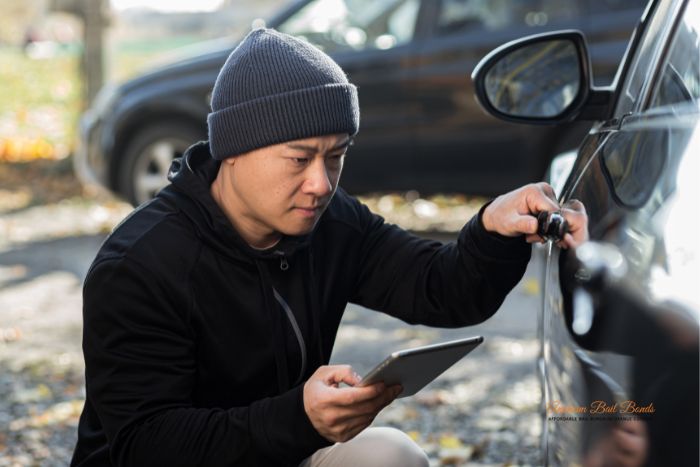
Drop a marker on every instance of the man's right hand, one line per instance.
(341, 413)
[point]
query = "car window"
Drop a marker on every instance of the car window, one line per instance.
(632, 162)
(465, 15)
(338, 25)
(680, 79)
(646, 55)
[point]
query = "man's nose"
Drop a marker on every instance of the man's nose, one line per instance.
(317, 182)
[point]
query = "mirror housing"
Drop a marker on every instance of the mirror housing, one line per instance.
(565, 95)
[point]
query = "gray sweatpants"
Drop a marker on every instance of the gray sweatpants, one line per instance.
(374, 447)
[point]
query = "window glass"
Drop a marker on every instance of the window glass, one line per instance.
(680, 81)
(337, 25)
(464, 15)
(632, 163)
(645, 56)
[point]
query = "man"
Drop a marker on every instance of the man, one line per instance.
(210, 313)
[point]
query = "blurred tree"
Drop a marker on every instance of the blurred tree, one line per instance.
(95, 18)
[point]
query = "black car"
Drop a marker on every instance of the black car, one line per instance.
(420, 127)
(620, 319)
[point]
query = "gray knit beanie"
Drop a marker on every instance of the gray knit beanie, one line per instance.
(275, 88)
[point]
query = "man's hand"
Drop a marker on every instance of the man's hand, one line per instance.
(340, 414)
(630, 444)
(627, 445)
(514, 214)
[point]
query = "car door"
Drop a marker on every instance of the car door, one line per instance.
(634, 342)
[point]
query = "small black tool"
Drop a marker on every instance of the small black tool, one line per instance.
(551, 225)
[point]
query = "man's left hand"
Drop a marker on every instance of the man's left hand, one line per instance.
(514, 214)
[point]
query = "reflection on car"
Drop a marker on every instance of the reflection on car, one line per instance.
(410, 59)
(620, 322)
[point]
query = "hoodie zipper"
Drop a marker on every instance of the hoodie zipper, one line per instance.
(284, 265)
(297, 332)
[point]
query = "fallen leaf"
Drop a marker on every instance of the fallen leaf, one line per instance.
(450, 441)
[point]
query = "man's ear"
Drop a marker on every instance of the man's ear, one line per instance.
(230, 161)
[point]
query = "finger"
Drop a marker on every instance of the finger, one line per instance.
(382, 400)
(633, 426)
(567, 242)
(576, 219)
(578, 225)
(575, 205)
(525, 224)
(351, 396)
(547, 190)
(345, 416)
(537, 201)
(356, 413)
(628, 444)
(336, 374)
(534, 238)
(625, 458)
(397, 389)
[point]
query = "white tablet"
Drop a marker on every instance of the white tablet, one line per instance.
(415, 368)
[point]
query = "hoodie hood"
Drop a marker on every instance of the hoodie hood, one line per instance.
(192, 175)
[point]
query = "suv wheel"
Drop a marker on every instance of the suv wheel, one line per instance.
(147, 158)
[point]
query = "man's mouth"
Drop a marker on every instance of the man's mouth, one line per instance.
(309, 211)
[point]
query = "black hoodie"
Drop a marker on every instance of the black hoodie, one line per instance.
(197, 345)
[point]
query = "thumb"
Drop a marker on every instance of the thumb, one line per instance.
(337, 374)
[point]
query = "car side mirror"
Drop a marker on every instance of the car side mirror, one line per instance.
(542, 79)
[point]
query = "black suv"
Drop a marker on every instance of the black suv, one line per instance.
(420, 127)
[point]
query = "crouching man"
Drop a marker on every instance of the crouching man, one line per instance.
(210, 313)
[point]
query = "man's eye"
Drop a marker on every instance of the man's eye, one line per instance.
(300, 160)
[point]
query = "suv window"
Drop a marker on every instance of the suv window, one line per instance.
(680, 81)
(632, 163)
(338, 25)
(635, 89)
(464, 15)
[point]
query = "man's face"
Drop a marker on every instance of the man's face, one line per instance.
(286, 187)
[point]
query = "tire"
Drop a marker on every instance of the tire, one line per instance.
(143, 170)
